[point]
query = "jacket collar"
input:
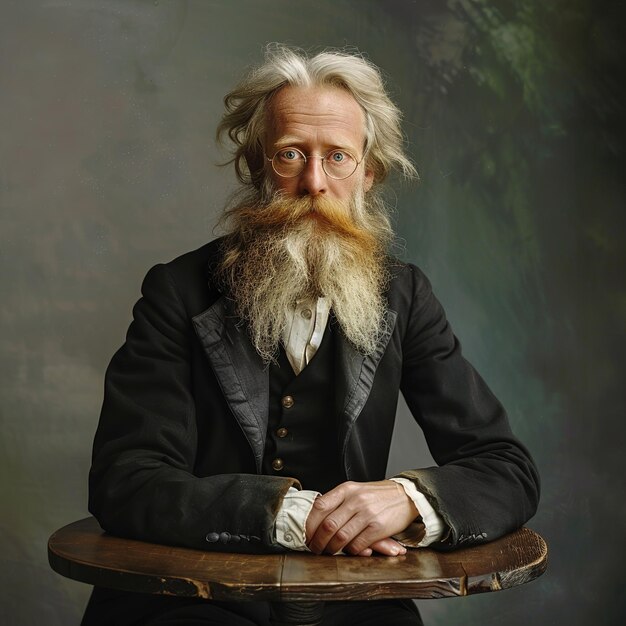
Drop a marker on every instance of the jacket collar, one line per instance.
(244, 378)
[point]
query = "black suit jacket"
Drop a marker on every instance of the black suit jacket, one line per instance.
(178, 451)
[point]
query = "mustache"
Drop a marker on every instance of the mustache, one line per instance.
(281, 213)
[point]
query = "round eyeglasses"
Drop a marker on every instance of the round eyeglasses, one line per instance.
(337, 164)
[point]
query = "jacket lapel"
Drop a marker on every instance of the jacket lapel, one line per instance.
(355, 377)
(240, 372)
(244, 379)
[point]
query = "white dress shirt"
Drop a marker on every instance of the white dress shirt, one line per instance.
(304, 329)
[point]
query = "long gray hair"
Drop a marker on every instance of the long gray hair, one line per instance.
(246, 104)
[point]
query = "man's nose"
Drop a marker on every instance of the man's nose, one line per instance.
(313, 180)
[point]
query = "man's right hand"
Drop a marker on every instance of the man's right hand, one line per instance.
(360, 518)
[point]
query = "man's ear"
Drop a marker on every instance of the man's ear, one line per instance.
(368, 181)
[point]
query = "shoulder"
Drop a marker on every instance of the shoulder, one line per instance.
(188, 277)
(420, 316)
(408, 285)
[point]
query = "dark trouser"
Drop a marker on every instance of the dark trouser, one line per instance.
(373, 613)
(111, 608)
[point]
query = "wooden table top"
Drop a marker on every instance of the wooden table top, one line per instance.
(82, 551)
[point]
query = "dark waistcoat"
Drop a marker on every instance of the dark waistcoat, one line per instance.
(302, 431)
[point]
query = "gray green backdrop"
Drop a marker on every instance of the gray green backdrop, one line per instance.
(515, 119)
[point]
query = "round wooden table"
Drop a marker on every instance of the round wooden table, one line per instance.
(295, 582)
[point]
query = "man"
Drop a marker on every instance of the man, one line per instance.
(252, 406)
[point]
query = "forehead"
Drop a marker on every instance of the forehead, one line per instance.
(320, 116)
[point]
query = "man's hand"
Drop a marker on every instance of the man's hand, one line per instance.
(359, 518)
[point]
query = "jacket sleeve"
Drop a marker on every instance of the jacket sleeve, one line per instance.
(141, 483)
(486, 484)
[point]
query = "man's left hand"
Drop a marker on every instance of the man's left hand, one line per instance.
(359, 517)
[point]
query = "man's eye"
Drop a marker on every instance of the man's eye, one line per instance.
(289, 155)
(337, 156)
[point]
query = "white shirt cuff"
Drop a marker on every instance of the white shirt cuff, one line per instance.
(433, 524)
(290, 527)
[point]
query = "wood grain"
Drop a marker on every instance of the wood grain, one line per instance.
(82, 551)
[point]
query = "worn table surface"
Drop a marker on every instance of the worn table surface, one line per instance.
(82, 551)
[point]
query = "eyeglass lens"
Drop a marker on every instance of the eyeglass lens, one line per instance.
(337, 164)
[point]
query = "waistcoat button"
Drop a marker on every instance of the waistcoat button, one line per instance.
(306, 314)
(277, 464)
(287, 402)
(282, 432)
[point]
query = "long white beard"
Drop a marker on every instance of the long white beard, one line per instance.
(290, 249)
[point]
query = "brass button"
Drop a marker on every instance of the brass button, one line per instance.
(287, 402)
(306, 314)
(282, 432)
(277, 464)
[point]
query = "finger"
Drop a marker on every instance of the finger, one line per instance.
(388, 547)
(385, 545)
(334, 532)
(337, 530)
(329, 514)
(322, 507)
